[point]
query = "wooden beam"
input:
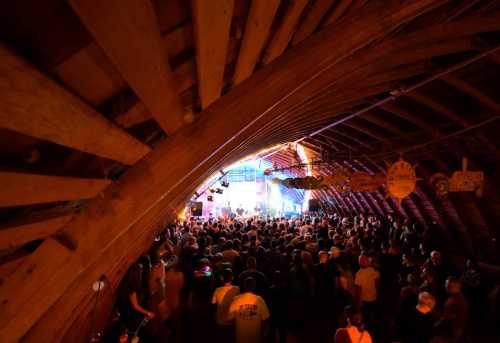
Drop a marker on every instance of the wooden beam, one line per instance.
(350, 137)
(403, 113)
(16, 235)
(285, 30)
(128, 32)
(330, 142)
(337, 141)
(260, 19)
(107, 225)
(377, 120)
(14, 262)
(138, 113)
(312, 20)
(185, 78)
(339, 10)
(437, 107)
(91, 75)
(211, 24)
(367, 131)
(17, 189)
(36, 106)
(495, 57)
(472, 91)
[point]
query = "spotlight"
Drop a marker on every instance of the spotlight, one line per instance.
(211, 190)
(224, 184)
(210, 198)
(219, 191)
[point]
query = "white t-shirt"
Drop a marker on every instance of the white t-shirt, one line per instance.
(248, 310)
(366, 279)
(223, 297)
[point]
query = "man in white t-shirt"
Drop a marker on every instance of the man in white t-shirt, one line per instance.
(223, 297)
(367, 284)
(250, 313)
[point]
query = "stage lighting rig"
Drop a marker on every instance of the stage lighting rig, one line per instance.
(219, 191)
(210, 198)
(224, 184)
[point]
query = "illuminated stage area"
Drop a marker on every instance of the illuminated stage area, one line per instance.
(244, 189)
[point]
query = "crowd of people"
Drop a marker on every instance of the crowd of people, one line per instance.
(335, 279)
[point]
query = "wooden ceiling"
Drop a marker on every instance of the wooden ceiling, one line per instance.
(112, 112)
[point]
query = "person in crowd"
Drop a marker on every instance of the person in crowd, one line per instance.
(437, 268)
(344, 298)
(222, 298)
(229, 254)
(156, 283)
(494, 311)
(455, 310)
(417, 323)
(259, 277)
(278, 307)
(367, 287)
(174, 283)
(325, 281)
(472, 288)
(408, 295)
(354, 330)
(250, 314)
(131, 300)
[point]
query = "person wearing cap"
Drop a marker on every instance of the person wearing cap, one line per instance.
(366, 283)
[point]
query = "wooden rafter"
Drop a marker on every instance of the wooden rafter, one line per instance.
(128, 32)
(472, 91)
(366, 130)
(285, 30)
(350, 137)
(323, 143)
(332, 140)
(405, 114)
(339, 10)
(91, 75)
(377, 120)
(338, 141)
(317, 11)
(426, 100)
(211, 24)
(258, 25)
(18, 189)
(36, 106)
(138, 113)
(16, 235)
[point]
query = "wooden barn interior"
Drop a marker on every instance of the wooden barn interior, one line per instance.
(112, 113)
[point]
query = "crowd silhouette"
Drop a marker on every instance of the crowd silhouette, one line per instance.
(355, 279)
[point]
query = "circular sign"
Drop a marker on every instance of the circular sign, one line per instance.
(401, 179)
